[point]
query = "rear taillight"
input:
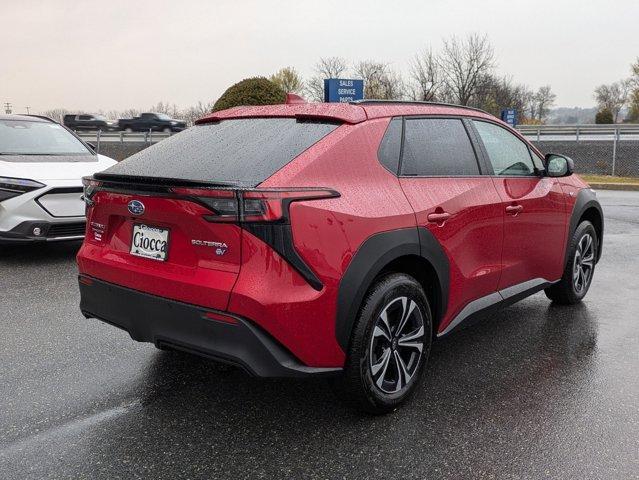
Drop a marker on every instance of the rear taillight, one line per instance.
(90, 187)
(223, 204)
(273, 205)
(252, 206)
(262, 212)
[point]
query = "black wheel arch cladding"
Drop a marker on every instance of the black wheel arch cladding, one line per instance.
(586, 200)
(373, 255)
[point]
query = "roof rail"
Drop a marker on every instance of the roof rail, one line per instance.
(374, 101)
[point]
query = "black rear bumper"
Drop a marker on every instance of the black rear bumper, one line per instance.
(148, 318)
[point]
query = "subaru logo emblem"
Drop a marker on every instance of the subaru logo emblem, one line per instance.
(136, 207)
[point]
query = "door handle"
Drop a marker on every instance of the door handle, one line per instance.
(514, 209)
(439, 217)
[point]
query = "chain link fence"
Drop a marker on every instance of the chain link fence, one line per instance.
(601, 157)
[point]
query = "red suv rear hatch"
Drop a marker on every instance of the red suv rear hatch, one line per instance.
(170, 249)
(167, 221)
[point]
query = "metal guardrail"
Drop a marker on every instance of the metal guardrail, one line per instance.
(616, 131)
(99, 136)
(537, 131)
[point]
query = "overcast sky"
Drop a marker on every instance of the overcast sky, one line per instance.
(110, 54)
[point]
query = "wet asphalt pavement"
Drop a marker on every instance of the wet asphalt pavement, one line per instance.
(536, 391)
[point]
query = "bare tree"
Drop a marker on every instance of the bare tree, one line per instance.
(496, 93)
(171, 110)
(380, 81)
(288, 80)
(371, 72)
(463, 64)
(426, 77)
(634, 76)
(543, 99)
(329, 67)
(195, 112)
(57, 114)
(612, 97)
(394, 87)
(633, 97)
(129, 113)
(633, 107)
(110, 114)
(528, 106)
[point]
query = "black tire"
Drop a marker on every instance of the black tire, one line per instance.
(358, 386)
(569, 290)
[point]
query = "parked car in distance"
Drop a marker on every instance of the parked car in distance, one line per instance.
(157, 122)
(85, 121)
(333, 239)
(41, 169)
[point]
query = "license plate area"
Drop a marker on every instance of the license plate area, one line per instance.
(150, 242)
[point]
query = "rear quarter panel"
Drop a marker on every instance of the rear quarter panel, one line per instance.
(326, 233)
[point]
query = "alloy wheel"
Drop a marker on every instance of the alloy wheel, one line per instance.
(583, 264)
(397, 345)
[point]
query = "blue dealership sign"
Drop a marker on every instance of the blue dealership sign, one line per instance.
(343, 90)
(509, 115)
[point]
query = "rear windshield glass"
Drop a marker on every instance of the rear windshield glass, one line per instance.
(239, 151)
(20, 137)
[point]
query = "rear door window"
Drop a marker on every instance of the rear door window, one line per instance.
(238, 151)
(437, 147)
(508, 155)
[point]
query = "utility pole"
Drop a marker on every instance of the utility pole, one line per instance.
(28, 110)
(7, 108)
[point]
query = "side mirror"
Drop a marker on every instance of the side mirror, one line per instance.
(559, 165)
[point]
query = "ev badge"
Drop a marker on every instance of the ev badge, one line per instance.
(220, 247)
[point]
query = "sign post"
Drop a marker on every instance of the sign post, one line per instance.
(509, 115)
(343, 90)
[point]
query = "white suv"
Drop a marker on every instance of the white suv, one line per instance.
(41, 169)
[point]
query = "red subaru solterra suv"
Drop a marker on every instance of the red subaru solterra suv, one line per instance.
(333, 240)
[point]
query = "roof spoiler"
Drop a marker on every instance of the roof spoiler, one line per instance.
(292, 99)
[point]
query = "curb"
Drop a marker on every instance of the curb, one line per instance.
(615, 186)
